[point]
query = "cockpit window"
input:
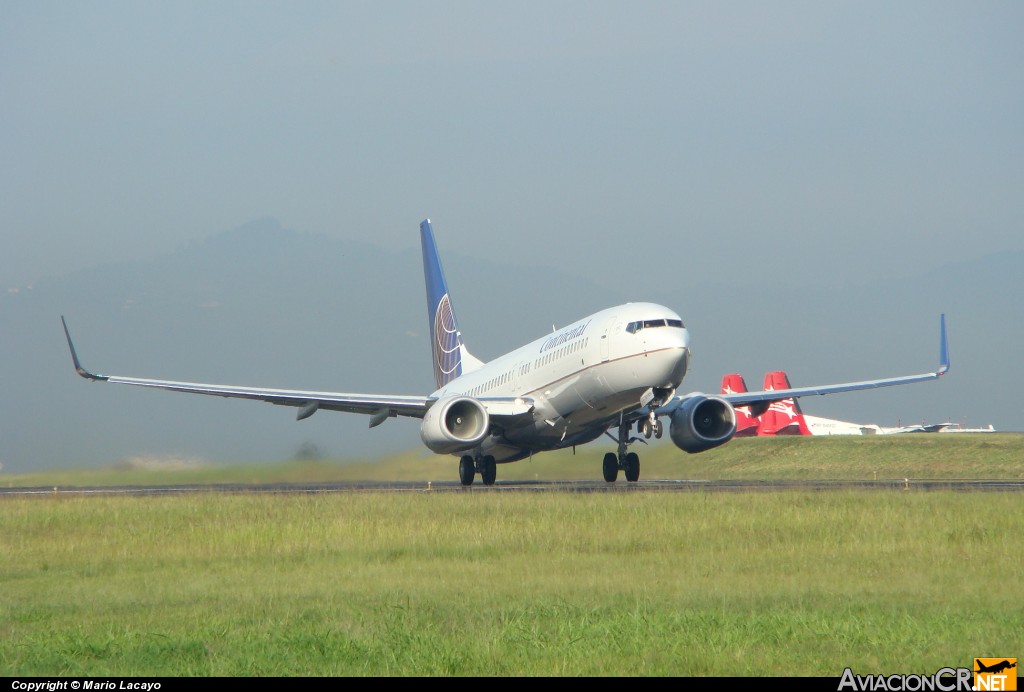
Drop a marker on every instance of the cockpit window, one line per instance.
(634, 327)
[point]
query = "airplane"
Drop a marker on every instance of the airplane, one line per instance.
(995, 667)
(618, 369)
(952, 427)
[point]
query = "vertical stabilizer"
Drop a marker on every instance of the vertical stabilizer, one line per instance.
(782, 417)
(746, 425)
(451, 358)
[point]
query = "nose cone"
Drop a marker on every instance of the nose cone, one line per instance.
(682, 357)
(686, 355)
(681, 366)
(671, 357)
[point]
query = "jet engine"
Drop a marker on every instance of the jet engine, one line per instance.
(702, 422)
(454, 424)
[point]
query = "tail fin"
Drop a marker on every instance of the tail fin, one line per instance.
(782, 417)
(746, 425)
(451, 358)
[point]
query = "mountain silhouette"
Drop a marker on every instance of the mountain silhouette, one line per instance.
(264, 305)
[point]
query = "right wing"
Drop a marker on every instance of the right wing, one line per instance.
(769, 396)
(763, 398)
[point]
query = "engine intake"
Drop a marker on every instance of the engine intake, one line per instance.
(702, 422)
(454, 424)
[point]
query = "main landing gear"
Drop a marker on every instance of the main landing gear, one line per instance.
(629, 462)
(468, 467)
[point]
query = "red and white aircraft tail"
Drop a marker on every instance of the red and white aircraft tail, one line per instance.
(746, 424)
(785, 417)
(782, 417)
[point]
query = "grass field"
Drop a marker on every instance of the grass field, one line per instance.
(498, 584)
(935, 456)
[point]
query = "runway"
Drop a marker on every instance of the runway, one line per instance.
(588, 486)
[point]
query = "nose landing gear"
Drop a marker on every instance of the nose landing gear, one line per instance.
(650, 426)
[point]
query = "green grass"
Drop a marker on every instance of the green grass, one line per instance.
(921, 456)
(440, 584)
(535, 584)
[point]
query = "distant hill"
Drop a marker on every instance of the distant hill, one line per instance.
(259, 305)
(267, 306)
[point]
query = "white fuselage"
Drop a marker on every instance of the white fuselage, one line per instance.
(581, 377)
(828, 426)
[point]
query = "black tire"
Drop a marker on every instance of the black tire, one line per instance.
(467, 470)
(489, 473)
(632, 467)
(610, 467)
(658, 429)
(647, 429)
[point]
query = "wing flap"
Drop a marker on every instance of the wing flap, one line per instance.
(413, 406)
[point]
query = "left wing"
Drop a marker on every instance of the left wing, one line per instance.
(379, 406)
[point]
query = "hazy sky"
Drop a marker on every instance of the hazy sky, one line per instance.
(703, 138)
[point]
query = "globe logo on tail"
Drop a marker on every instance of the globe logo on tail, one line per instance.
(447, 356)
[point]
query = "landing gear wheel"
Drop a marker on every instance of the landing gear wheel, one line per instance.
(658, 429)
(632, 467)
(489, 473)
(610, 467)
(467, 470)
(644, 428)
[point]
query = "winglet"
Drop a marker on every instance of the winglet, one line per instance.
(74, 357)
(943, 347)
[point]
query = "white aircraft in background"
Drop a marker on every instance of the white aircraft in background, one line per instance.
(616, 370)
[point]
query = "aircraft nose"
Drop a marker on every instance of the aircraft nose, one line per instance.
(682, 365)
(679, 363)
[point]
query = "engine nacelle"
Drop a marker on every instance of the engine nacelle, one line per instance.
(702, 422)
(454, 424)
